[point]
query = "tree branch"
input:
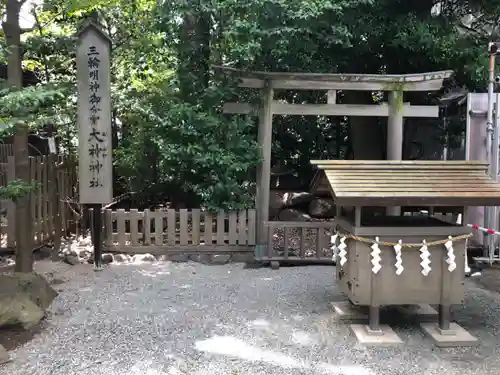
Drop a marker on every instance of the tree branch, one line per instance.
(37, 25)
(44, 57)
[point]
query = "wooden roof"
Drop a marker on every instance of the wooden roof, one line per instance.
(429, 81)
(406, 183)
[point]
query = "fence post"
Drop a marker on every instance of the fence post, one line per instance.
(56, 206)
(11, 207)
(24, 224)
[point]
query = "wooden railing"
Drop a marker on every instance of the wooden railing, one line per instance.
(299, 241)
(166, 231)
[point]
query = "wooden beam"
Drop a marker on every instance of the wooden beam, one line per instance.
(429, 81)
(240, 109)
(395, 135)
(265, 135)
(331, 97)
(367, 110)
(256, 83)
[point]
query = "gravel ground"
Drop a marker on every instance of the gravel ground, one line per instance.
(189, 318)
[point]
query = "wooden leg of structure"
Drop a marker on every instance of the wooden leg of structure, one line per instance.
(444, 317)
(445, 333)
(374, 333)
(374, 319)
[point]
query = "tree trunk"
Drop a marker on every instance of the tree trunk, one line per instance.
(194, 55)
(366, 132)
(24, 232)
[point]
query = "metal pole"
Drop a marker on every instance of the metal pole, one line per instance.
(495, 162)
(491, 153)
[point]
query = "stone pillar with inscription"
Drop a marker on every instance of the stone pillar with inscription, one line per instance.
(95, 168)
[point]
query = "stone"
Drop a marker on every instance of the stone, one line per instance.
(107, 258)
(143, 258)
(384, 337)
(346, 311)
(247, 257)
(322, 208)
(220, 258)
(24, 297)
(276, 203)
(43, 252)
(179, 258)
(121, 258)
(71, 259)
(296, 199)
(4, 356)
(201, 258)
(454, 337)
(6, 262)
(291, 214)
(20, 310)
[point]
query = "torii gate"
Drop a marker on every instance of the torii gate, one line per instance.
(395, 110)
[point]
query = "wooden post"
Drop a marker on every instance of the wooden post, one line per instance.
(93, 60)
(24, 224)
(265, 135)
(395, 135)
(56, 206)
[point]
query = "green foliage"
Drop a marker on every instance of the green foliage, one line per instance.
(17, 189)
(30, 105)
(170, 140)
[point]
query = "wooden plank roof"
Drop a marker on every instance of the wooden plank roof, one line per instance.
(428, 81)
(406, 183)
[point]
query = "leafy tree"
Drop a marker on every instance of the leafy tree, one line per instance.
(171, 142)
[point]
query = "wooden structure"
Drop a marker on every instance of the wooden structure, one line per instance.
(301, 251)
(51, 211)
(372, 269)
(395, 110)
(6, 150)
(179, 232)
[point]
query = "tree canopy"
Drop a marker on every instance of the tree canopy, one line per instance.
(170, 140)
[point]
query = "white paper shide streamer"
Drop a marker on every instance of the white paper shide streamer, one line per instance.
(342, 251)
(451, 255)
(334, 247)
(467, 268)
(425, 256)
(399, 259)
(376, 257)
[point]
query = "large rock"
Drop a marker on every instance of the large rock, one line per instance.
(4, 356)
(291, 214)
(296, 199)
(276, 203)
(322, 207)
(24, 297)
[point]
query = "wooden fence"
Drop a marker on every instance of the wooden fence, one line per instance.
(182, 231)
(50, 210)
(6, 150)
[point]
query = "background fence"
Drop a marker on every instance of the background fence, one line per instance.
(6, 150)
(50, 210)
(166, 231)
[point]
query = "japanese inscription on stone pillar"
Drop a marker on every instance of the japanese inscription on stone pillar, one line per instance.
(94, 116)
